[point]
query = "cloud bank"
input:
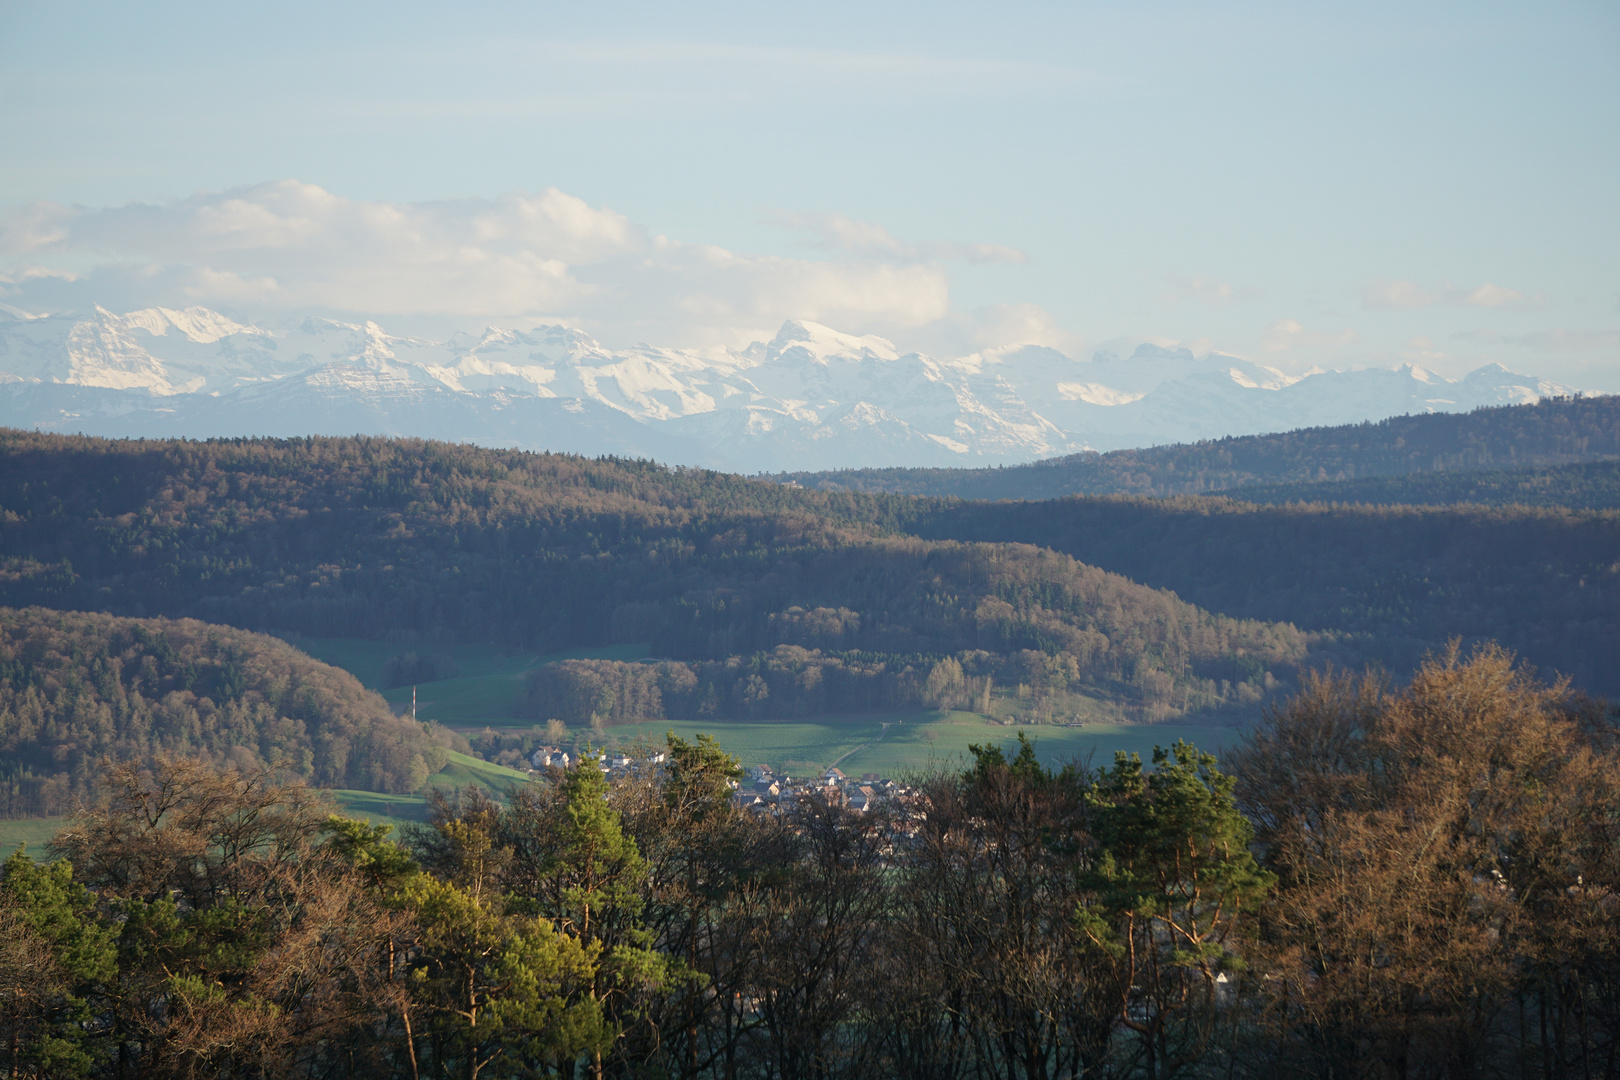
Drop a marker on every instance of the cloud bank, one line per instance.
(287, 246)
(1409, 296)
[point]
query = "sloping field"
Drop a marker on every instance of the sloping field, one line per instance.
(899, 743)
(35, 832)
(485, 690)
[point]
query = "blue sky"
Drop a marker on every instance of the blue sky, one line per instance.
(1303, 184)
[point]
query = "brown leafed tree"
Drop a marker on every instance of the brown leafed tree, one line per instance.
(1447, 861)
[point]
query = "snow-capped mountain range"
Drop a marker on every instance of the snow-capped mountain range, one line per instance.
(810, 398)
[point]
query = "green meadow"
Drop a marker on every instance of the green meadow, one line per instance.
(485, 691)
(35, 832)
(895, 744)
(464, 769)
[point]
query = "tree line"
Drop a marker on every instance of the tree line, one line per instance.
(78, 687)
(792, 681)
(1553, 431)
(1412, 881)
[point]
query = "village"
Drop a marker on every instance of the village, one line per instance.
(760, 789)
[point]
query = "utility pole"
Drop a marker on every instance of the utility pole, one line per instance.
(413, 703)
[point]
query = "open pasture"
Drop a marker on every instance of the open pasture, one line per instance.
(895, 744)
(485, 690)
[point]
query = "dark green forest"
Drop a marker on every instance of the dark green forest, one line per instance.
(379, 538)
(1556, 431)
(78, 687)
(1411, 881)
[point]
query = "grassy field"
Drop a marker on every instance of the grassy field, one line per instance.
(898, 743)
(485, 691)
(464, 769)
(402, 810)
(35, 832)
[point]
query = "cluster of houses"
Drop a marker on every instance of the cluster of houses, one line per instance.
(760, 788)
(547, 757)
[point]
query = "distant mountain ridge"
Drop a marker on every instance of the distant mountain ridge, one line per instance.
(810, 398)
(1289, 465)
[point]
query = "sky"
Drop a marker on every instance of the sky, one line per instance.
(1303, 184)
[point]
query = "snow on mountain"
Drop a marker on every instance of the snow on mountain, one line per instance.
(156, 349)
(810, 398)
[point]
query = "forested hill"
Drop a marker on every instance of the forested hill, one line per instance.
(1544, 582)
(776, 601)
(1556, 431)
(75, 687)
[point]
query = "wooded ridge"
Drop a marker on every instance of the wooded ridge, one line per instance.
(368, 537)
(1555, 431)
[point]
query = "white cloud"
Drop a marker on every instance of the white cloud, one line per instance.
(1287, 334)
(1209, 290)
(1495, 296)
(1408, 296)
(998, 325)
(288, 246)
(839, 232)
(1395, 295)
(32, 273)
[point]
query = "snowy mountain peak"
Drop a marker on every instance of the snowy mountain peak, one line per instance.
(798, 340)
(811, 397)
(197, 324)
(1151, 351)
(1418, 374)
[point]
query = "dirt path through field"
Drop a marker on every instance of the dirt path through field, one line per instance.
(863, 746)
